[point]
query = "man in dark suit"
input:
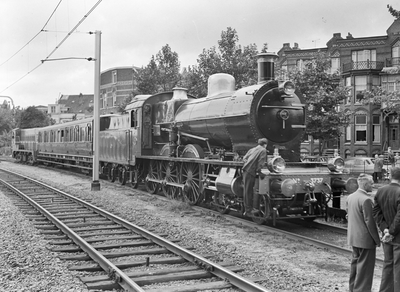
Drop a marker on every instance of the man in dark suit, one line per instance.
(387, 216)
(254, 160)
(362, 235)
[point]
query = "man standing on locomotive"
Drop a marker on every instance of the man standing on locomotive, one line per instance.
(362, 235)
(254, 160)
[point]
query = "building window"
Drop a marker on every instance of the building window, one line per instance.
(347, 153)
(114, 98)
(376, 128)
(53, 109)
(299, 65)
(396, 54)
(364, 59)
(284, 72)
(302, 64)
(360, 84)
(348, 134)
(104, 100)
(335, 65)
(389, 83)
(114, 77)
(348, 84)
(360, 121)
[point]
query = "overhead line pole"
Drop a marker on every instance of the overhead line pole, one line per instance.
(96, 113)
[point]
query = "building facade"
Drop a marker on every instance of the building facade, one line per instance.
(116, 85)
(71, 107)
(362, 63)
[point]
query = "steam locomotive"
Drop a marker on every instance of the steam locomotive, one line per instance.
(192, 148)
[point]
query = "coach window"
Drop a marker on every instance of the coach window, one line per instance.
(40, 137)
(89, 127)
(133, 119)
(83, 134)
(71, 134)
(76, 133)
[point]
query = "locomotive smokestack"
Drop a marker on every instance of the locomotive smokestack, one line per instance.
(266, 64)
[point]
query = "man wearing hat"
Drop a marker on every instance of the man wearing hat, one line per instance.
(254, 160)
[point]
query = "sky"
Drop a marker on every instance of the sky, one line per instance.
(132, 31)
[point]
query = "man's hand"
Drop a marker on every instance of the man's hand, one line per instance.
(387, 237)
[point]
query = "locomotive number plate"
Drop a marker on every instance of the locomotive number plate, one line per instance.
(316, 180)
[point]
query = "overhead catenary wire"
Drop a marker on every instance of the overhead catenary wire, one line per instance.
(58, 46)
(42, 30)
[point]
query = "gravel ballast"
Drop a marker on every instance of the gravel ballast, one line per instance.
(287, 265)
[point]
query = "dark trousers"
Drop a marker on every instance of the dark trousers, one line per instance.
(362, 269)
(377, 176)
(391, 268)
(248, 182)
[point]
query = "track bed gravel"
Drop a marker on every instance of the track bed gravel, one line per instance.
(287, 265)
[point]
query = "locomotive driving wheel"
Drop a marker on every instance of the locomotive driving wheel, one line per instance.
(264, 211)
(169, 173)
(152, 172)
(191, 179)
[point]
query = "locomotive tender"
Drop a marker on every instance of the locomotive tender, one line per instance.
(191, 147)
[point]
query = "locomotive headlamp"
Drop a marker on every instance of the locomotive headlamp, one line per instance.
(288, 88)
(336, 164)
(276, 164)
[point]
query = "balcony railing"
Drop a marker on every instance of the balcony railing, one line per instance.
(390, 62)
(363, 65)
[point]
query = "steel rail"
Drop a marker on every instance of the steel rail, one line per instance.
(121, 278)
(215, 269)
(294, 236)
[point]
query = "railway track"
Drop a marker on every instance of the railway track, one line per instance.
(128, 256)
(281, 229)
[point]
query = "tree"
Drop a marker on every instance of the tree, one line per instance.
(147, 77)
(389, 100)
(395, 13)
(7, 120)
(161, 74)
(5, 138)
(33, 118)
(325, 120)
(193, 81)
(230, 58)
(168, 66)
(125, 102)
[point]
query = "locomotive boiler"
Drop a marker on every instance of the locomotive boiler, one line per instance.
(192, 148)
(234, 119)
